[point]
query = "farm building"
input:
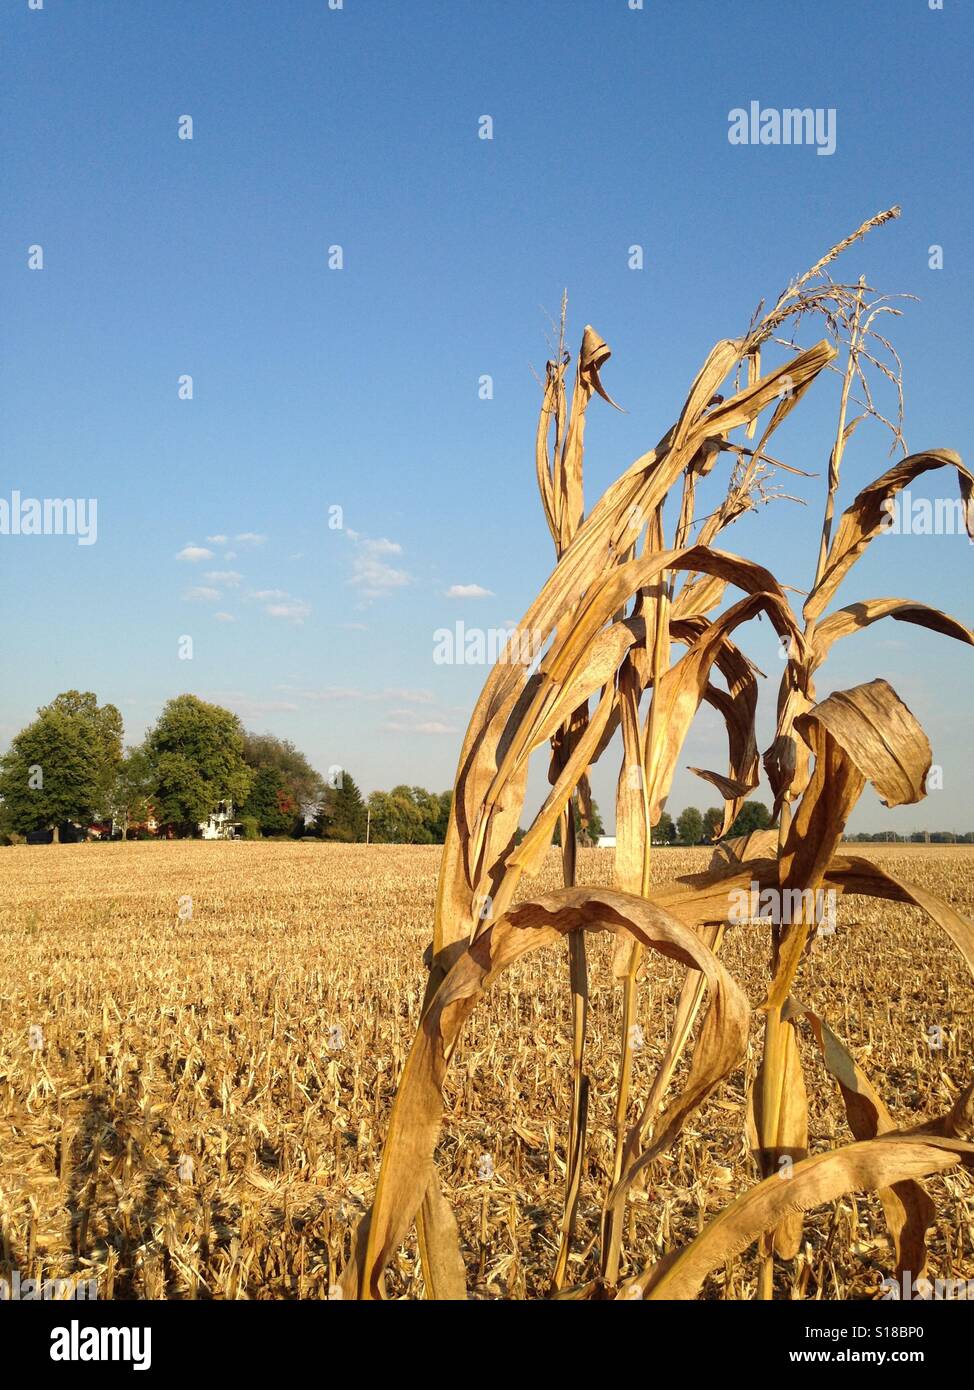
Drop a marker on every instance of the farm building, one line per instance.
(220, 824)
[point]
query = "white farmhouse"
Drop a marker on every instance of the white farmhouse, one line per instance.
(220, 824)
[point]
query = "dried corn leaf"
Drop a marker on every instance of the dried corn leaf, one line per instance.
(863, 1167)
(870, 512)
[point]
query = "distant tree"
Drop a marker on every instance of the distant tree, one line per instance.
(593, 831)
(132, 794)
(428, 805)
(584, 834)
(270, 802)
(287, 787)
(342, 812)
(409, 816)
(196, 755)
(690, 826)
(396, 819)
(103, 724)
(753, 815)
(52, 774)
(443, 818)
(664, 832)
(713, 819)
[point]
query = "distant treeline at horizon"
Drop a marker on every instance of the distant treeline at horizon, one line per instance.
(67, 775)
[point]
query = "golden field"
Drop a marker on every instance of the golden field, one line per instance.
(262, 1036)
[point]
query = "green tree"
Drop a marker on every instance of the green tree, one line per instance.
(52, 773)
(342, 813)
(584, 835)
(396, 818)
(270, 802)
(753, 815)
(664, 832)
(196, 754)
(443, 818)
(690, 826)
(594, 830)
(103, 724)
(132, 794)
(295, 783)
(713, 819)
(428, 806)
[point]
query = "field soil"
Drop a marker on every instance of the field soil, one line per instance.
(199, 1045)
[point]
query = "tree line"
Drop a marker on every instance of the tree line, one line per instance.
(916, 837)
(68, 769)
(695, 827)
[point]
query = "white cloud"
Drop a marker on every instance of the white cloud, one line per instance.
(294, 609)
(217, 540)
(229, 577)
(344, 692)
(249, 538)
(418, 697)
(468, 591)
(247, 707)
(195, 553)
(432, 726)
(334, 692)
(375, 578)
(224, 617)
(370, 574)
(268, 595)
(202, 594)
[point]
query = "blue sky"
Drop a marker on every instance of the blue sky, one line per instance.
(358, 387)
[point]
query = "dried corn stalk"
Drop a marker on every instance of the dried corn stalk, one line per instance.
(593, 656)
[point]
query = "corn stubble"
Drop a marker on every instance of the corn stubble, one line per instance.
(213, 1039)
(618, 602)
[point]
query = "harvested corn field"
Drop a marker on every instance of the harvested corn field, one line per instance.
(200, 1043)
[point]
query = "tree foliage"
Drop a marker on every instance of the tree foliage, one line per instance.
(62, 767)
(409, 816)
(286, 788)
(690, 826)
(753, 815)
(132, 794)
(196, 755)
(342, 814)
(713, 819)
(584, 834)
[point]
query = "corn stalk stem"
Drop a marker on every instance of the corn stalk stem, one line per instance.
(835, 462)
